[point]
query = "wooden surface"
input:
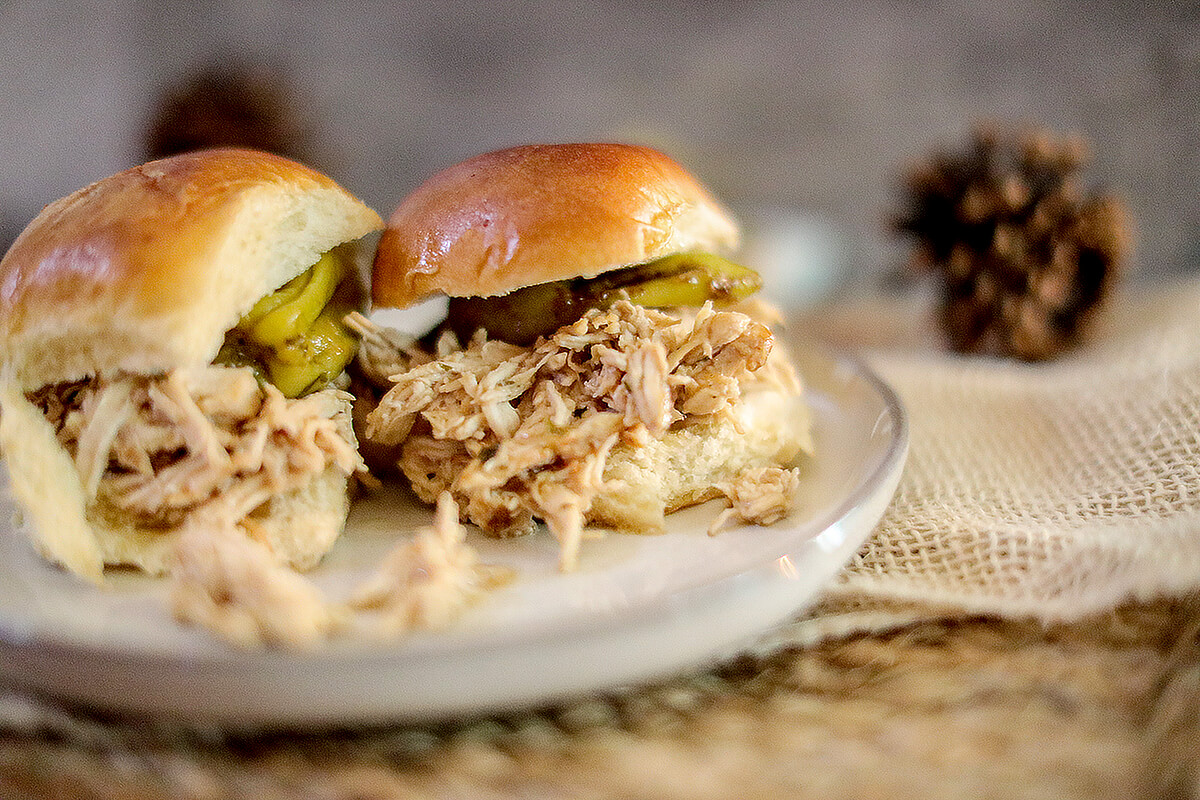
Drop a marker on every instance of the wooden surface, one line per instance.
(1106, 708)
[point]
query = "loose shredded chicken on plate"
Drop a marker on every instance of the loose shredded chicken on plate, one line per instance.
(759, 496)
(234, 586)
(425, 583)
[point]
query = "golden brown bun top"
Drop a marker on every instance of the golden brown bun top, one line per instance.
(540, 213)
(147, 269)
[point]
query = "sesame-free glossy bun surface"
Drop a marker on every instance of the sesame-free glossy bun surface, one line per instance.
(539, 213)
(147, 269)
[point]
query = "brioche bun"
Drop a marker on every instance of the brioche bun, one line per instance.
(146, 270)
(538, 213)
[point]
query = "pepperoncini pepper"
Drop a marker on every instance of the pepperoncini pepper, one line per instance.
(683, 279)
(295, 336)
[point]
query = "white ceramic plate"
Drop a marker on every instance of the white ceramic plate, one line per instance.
(639, 607)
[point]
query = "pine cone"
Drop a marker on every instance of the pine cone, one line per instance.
(1025, 259)
(226, 106)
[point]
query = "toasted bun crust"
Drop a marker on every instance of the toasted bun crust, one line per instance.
(540, 213)
(146, 270)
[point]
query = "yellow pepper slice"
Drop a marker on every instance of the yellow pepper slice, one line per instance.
(319, 355)
(684, 279)
(288, 312)
(294, 337)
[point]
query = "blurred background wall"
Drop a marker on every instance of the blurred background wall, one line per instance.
(806, 109)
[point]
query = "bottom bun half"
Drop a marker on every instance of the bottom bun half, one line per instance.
(690, 464)
(299, 526)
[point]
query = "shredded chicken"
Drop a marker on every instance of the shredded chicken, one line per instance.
(162, 449)
(522, 433)
(426, 582)
(760, 496)
(382, 352)
(197, 451)
(234, 586)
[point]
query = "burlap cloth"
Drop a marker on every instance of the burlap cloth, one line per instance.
(1023, 623)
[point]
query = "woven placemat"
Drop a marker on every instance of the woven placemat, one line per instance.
(943, 708)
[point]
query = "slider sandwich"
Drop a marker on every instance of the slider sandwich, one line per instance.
(600, 364)
(172, 359)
